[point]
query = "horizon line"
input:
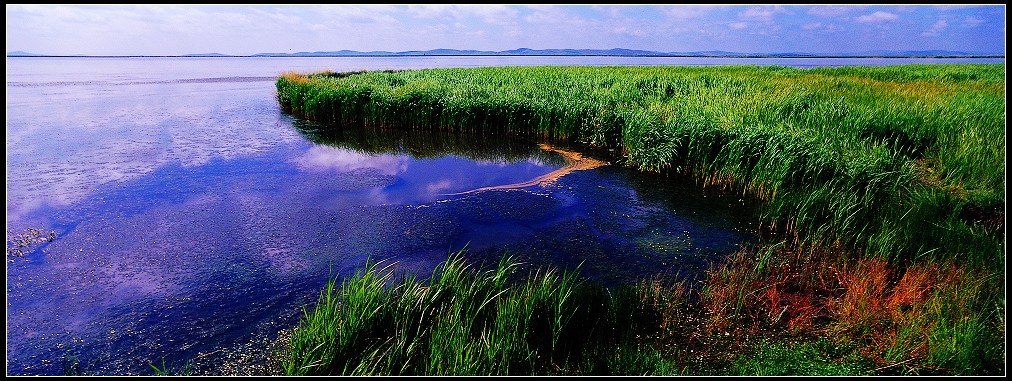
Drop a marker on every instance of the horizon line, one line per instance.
(299, 55)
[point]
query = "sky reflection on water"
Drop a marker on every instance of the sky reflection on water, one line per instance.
(193, 218)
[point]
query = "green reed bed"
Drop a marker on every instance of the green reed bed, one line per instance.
(467, 320)
(899, 162)
(888, 183)
(765, 312)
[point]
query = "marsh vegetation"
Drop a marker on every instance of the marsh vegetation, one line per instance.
(884, 187)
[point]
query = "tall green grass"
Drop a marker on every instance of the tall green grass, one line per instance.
(468, 320)
(776, 316)
(900, 162)
(877, 175)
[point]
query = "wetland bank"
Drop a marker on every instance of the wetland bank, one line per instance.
(885, 186)
(744, 215)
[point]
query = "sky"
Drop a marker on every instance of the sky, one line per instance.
(165, 29)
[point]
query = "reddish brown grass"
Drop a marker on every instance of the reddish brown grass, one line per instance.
(294, 77)
(887, 311)
(787, 294)
(894, 319)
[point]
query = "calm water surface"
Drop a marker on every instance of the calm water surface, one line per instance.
(193, 219)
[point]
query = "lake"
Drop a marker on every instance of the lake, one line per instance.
(170, 212)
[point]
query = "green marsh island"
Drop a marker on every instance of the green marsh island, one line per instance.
(881, 194)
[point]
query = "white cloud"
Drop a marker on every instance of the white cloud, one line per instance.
(431, 11)
(935, 29)
(552, 15)
(492, 14)
(972, 21)
(636, 32)
(831, 10)
(738, 25)
(684, 12)
(610, 10)
(762, 13)
(948, 7)
(357, 14)
(878, 16)
(811, 25)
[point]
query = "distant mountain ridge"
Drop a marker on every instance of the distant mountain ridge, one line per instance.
(563, 52)
(19, 53)
(619, 52)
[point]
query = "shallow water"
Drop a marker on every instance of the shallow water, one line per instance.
(193, 219)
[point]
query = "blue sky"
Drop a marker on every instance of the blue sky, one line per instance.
(234, 29)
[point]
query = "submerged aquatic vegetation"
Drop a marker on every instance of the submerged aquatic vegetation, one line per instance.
(20, 244)
(887, 181)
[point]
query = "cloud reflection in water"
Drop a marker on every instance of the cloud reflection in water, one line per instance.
(325, 158)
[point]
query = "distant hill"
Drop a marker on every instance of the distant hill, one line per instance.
(206, 55)
(19, 53)
(621, 52)
(513, 52)
(566, 52)
(918, 53)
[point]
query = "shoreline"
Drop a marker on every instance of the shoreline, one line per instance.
(574, 162)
